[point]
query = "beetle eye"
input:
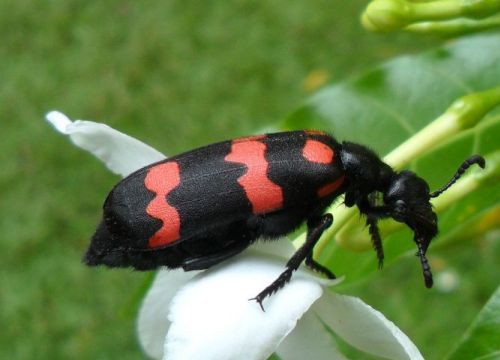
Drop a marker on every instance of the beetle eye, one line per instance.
(399, 210)
(401, 205)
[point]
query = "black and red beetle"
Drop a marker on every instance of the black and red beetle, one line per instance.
(199, 208)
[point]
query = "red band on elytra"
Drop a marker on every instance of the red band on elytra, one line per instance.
(263, 194)
(161, 180)
(330, 187)
(318, 152)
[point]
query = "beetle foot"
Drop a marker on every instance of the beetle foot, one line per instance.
(277, 284)
(258, 299)
(315, 266)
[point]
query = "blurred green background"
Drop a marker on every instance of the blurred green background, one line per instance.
(176, 74)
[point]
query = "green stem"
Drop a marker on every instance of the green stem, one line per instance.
(479, 224)
(463, 114)
(449, 9)
(454, 27)
(435, 10)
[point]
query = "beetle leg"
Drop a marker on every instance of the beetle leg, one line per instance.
(426, 269)
(315, 228)
(376, 240)
(373, 213)
(315, 266)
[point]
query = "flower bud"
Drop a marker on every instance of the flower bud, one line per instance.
(480, 9)
(386, 15)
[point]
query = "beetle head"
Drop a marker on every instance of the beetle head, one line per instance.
(408, 201)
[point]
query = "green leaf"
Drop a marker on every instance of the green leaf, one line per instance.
(482, 339)
(389, 104)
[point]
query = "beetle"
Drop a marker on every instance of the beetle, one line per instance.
(199, 208)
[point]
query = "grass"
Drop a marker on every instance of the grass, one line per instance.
(176, 74)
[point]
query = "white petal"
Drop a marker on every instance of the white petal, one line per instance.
(309, 340)
(121, 153)
(283, 249)
(212, 317)
(280, 249)
(152, 324)
(364, 327)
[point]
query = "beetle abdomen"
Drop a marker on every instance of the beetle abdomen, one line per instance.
(223, 183)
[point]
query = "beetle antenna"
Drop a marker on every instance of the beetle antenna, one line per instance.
(426, 269)
(474, 159)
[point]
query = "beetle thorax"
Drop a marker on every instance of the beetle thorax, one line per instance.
(365, 172)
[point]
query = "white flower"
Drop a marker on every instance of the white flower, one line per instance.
(207, 315)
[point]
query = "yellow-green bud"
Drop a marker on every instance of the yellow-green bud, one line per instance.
(480, 8)
(386, 15)
(471, 108)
